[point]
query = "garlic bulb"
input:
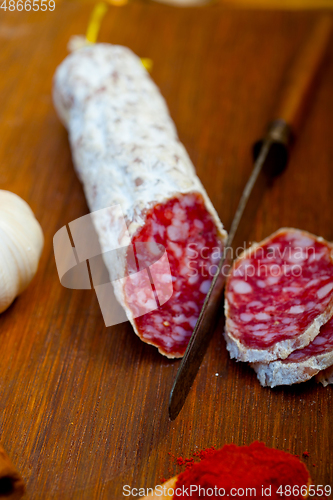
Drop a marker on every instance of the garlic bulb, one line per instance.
(21, 243)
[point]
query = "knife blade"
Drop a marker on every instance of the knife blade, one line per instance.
(271, 156)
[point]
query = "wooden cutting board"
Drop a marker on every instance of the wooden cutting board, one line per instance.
(83, 408)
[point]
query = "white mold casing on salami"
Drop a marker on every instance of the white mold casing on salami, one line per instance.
(301, 365)
(268, 317)
(124, 144)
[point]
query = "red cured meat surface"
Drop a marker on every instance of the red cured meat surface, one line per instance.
(277, 289)
(188, 232)
(322, 344)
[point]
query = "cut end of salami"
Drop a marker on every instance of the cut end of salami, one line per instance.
(278, 295)
(188, 232)
(126, 152)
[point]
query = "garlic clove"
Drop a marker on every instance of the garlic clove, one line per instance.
(21, 244)
(9, 279)
(25, 254)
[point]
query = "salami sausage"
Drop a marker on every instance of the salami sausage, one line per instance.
(302, 364)
(126, 152)
(278, 295)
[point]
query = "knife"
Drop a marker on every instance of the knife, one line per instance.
(271, 156)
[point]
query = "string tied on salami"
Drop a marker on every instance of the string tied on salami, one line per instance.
(77, 42)
(95, 21)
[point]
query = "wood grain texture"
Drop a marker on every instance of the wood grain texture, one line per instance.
(83, 408)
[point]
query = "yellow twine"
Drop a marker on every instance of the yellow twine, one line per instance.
(147, 63)
(95, 22)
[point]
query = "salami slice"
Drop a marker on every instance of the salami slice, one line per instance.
(278, 295)
(126, 152)
(302, 364)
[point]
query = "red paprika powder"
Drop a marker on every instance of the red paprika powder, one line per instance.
(233, 470)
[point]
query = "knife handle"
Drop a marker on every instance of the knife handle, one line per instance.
(301, 78)
(299, 84)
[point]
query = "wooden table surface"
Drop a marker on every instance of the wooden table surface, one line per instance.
(83, 408)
